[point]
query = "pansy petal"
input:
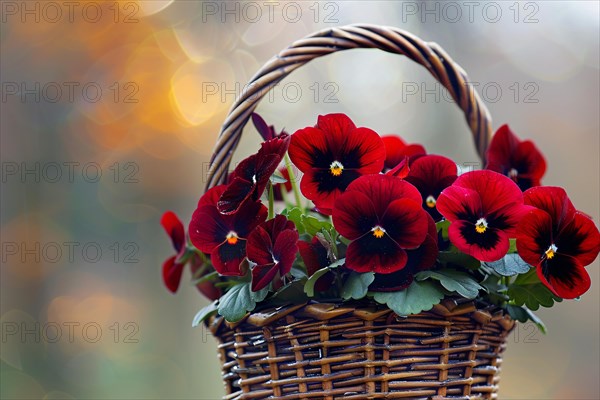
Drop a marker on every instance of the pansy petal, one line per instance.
(393, 149)
(459, 203)
(308, 149)
(497, 192)
(580, 239)
(489, 246)
(554, 201)
(262, 275)
(171, 273)
(531, 159)
(401, 170)
(262, 127)
(310, 186)
(501, 149)
(208, 228)
(336, 125)
(564, 276)
(237, 192)
(174, 228)
(381, 255)
(212, 196)
(285, 249)
(227, 258)
(383, 189)
(314, 255)
(354, 215)
(260, 247)
(249, 216)
(406, 223)
(363, 150)
(534, 236)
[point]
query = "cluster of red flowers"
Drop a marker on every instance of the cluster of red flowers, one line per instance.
(385, 198)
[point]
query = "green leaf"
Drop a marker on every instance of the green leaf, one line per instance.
(260, 295)
(204, 313)
(314, 225)
(454, 281)
(509, 265)
(458, 258)
(528, 290)
(238, 300)
(357, 285)
(298, 272)
(295, 215)
(419, 296)
(277, 177)
(309, 286)
(443, 226)
(512, 248)
(523, 314)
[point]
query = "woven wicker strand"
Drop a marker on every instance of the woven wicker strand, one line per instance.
(363, 351)
(332, 40)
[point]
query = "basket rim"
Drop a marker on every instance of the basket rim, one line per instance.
(449, 308)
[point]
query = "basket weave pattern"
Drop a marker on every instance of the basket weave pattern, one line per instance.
(326, 351)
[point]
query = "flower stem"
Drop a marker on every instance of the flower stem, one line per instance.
(271, 201)
(288, 165)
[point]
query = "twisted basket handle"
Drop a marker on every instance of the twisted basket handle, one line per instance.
(331, 40)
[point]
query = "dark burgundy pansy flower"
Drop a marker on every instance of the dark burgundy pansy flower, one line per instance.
(383, 217)
(172, 270)
(520, 161)
(224, 236)
(314, 255)
(396, 149)
(431, 174)
(484, 209)
(266, 131)
(250, 177)
(420, 259)
(332, 155)
(558, 241)
(272, 246)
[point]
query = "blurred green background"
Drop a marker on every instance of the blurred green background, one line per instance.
(109, 112)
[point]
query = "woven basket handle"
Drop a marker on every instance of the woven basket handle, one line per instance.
(331, 40)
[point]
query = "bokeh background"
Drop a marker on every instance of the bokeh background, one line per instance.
(109, 113)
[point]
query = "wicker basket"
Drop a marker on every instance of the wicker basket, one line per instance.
(359, 350)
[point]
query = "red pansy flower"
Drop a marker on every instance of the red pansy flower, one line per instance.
(396, 149)
(332, 155)
(431, 174)
(250, 177)
(173, 270)
(383, 217)
(272, 246)
(484, 209)
(558, 241)
(224, 236)
(520, 161)
(314, 255)
(420, 259)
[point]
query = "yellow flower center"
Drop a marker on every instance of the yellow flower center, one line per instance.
(430, 201)
(551, 252)
(481, 225)
(232, 237)
(378, 232)
(336, 168)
